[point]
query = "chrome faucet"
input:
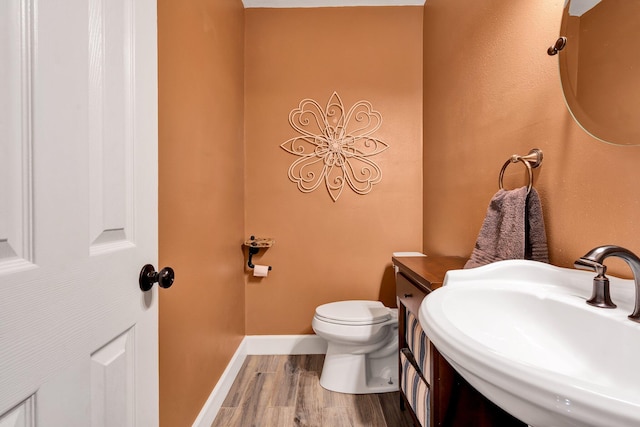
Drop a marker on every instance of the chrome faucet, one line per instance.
(593, 260)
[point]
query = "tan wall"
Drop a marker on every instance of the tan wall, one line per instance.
(327, 250)
(490, 91)
(201, 198)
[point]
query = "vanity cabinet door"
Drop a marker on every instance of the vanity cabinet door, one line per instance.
(409, 295)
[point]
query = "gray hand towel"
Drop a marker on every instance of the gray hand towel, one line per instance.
(512, 229)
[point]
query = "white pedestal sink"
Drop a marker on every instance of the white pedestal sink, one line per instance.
(522, 334)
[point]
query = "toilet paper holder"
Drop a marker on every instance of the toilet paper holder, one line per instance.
(255, 244)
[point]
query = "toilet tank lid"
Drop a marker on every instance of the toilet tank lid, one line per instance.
(414, 254)
(354, 311)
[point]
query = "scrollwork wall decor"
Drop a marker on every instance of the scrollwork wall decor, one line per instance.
(335, 146)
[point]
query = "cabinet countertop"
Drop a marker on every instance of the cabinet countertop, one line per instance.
(428, 271)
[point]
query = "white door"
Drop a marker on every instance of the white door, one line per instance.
(78, 213)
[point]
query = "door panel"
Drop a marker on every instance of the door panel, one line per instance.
(78, 213)
(110, 119)
(15, 132)
(20, 416)
(112, 383)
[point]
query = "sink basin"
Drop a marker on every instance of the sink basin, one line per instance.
(522, 334)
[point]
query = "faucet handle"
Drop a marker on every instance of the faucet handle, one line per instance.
(601, 296)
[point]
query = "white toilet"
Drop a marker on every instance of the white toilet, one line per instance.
(362, 351)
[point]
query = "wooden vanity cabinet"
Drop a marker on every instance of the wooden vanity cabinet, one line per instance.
(453, 402)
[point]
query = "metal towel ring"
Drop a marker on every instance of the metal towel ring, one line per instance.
(531, 160)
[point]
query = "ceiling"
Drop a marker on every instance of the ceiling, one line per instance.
(580, 7)
(328, 3)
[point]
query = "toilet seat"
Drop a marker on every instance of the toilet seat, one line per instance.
(357, 312)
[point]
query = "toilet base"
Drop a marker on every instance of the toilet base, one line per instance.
(358, 374)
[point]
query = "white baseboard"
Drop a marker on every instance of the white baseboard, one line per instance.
(285, 344)
(214, 402)
(250, 345)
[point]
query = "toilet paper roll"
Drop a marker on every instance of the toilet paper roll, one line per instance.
(260, 270)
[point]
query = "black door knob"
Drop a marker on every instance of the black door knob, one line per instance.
(149, 276)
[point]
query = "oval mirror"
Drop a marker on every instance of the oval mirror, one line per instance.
(600, 67)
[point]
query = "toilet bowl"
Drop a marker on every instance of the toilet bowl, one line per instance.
(362, 346)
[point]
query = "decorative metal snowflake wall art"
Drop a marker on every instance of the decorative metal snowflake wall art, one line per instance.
(334, 146)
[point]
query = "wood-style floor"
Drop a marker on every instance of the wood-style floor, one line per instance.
(285, 391)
